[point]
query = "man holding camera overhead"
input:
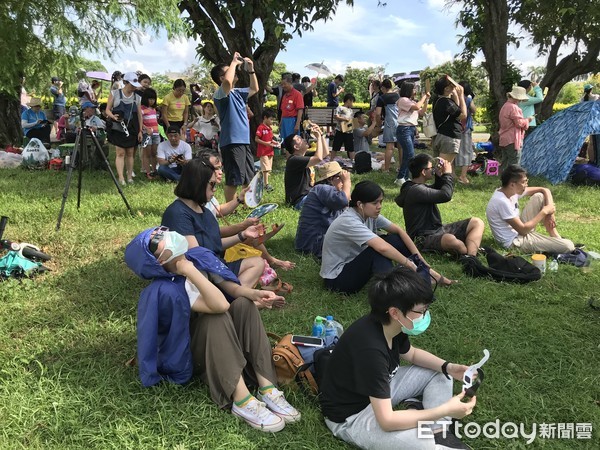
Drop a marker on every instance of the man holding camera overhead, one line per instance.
(173, 154)
(234, 141)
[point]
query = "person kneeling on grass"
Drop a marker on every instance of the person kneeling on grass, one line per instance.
(185, 324)
(353, 252)
(364, 381)
(511, 229)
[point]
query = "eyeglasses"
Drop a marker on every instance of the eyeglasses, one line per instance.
(420, 312)
(212, 184)
(159, 235)
(336, 177)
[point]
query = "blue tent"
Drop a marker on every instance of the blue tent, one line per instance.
(551, 149)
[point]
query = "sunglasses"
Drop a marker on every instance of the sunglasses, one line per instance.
(212, 184)
(159, 235)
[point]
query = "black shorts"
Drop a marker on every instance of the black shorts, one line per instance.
(343, 138)
(433, 241)
(238, 164)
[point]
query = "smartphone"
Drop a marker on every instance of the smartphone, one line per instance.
(307, 341)
(438, 163)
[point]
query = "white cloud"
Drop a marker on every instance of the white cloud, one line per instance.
(129, 65)
(180, 49)
(435, 56)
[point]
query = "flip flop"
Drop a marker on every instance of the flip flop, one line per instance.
(275, 228)
(279, 287)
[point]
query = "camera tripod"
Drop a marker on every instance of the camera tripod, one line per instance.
(77, 162)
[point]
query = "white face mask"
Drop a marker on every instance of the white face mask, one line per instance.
(175, 242)
(307, 83)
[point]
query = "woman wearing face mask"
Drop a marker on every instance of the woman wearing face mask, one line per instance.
(186, 325)
(364, 380)
(353, 252)
(188, 216)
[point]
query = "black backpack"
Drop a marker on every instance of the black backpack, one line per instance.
(501, 268)
(362, 162)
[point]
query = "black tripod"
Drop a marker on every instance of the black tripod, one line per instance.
(77, 161)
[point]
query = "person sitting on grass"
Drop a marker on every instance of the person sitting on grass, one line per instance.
(422, 217)
(324, 203)
(364, 381)
(187, 326)
(265, 145)
(297, 176)
(221, 211)
(511, 229)
(187, 215)
(352, 250)
(173, 154)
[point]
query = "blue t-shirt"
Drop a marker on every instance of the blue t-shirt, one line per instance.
(31, 117)
(323, 205)
(235, 126)
(59, 99)
(331, 100)
(203, 226)
(469, 121)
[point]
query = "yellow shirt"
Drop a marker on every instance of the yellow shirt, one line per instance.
(175, 106)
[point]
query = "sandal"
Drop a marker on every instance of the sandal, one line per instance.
(279, 287)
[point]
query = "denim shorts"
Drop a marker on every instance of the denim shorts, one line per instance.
(154, 139)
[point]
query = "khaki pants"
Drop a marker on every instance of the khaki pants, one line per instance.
(225, 346)
(536, 242)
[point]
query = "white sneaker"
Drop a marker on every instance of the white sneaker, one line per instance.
(132, 174)
(277, 403)
(258, 416)
(399, 181)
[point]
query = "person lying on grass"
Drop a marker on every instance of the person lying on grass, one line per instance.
(223, 210)
(186, 325)
(364, 381)
(353, 251)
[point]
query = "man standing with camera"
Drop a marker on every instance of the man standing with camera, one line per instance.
(173, 154)
(234, 140)
(422, 216)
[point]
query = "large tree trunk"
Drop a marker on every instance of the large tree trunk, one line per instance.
(10, 120)
(559, 74)
(495, 26)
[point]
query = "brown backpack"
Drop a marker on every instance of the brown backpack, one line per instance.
(289, 364)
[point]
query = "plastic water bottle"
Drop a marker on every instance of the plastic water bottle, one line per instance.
(333, 328)
(318, 329)
(553, 266)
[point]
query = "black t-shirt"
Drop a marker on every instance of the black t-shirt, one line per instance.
(386, 101)
(445, 113)
(361, 366)
(296, 178)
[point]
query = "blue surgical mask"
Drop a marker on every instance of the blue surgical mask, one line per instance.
(419, 325)
(175, 242)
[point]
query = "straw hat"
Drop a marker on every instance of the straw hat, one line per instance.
(327, 170)
(35, 101)
(518, 93)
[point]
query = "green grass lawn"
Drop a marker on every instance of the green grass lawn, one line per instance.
(65, 336)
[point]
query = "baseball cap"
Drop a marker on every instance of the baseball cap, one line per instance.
(55, 79)
(132, 78)
(173, 129)
(88, 105)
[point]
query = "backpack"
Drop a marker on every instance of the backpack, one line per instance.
(501, 268)
(577, 257)
(429, 128)
(362, 162)
(305, 367)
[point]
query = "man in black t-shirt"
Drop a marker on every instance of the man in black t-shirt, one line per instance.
(297, 176)
(364, 380)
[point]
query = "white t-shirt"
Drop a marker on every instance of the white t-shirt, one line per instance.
(346, 237)
(193, 292)
(165, 150)
(406, 116)
(499, 209)
(208, 130)
(344, 112)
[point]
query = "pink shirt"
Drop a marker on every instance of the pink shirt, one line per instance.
(512, 125)
(150, 119)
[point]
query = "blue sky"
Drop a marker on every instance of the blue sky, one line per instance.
(404, 36)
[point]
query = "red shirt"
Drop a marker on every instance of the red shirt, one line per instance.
(264, 133)
(291, 103)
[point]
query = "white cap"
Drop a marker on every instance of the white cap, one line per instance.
(132, 78)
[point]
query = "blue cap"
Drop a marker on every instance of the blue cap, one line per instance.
(587, 87)
(88, 105)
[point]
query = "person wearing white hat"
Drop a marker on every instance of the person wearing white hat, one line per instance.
(34, 122)
(512, 128)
